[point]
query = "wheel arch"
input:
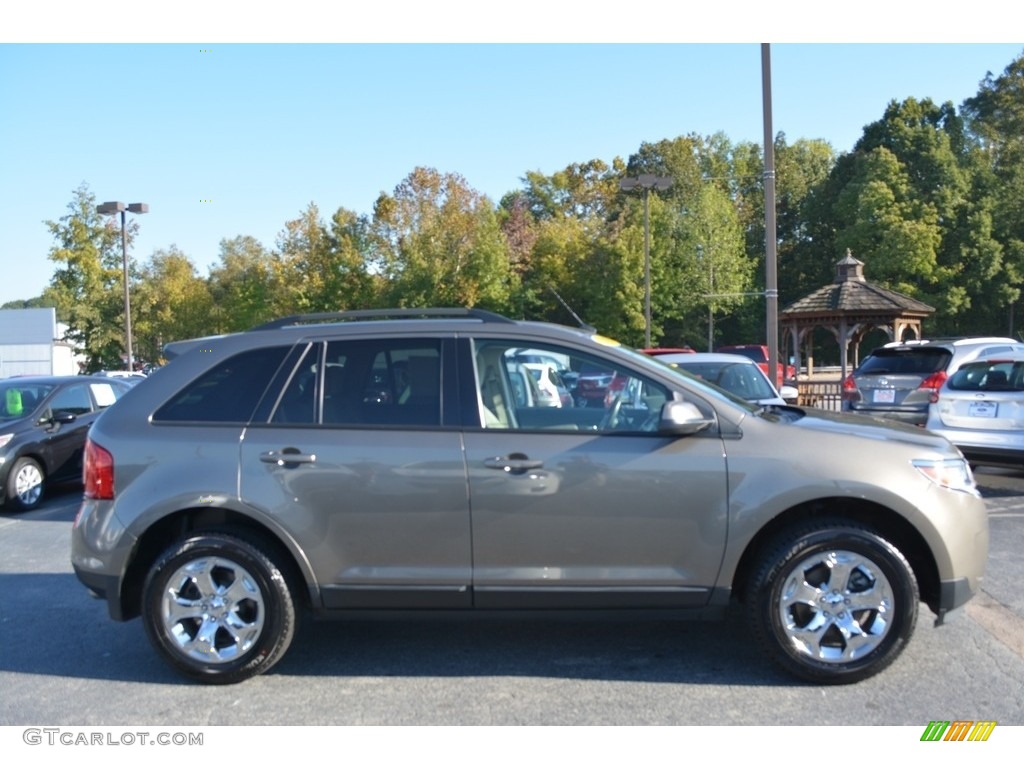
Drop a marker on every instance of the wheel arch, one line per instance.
(175, 527)
(888, 524)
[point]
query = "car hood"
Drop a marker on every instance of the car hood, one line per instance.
(16, 426)
(873, 429)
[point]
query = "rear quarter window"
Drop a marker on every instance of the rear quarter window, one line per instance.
(228, 392)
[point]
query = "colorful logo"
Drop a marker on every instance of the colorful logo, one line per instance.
(958, 730)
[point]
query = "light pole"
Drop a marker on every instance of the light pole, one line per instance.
(646, 182)
(711, 293)
(107, 209)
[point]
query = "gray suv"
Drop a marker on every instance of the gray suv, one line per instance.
(900, 380)
(371, 463)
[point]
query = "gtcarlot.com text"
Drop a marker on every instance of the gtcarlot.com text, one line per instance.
(73, 738)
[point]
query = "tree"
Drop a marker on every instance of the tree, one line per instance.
(87, 285)
(440, 244)
(908, 203)
(995, 119)
(171, 302)
(243, 285)
(325, 269)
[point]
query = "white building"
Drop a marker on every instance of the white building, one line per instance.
(31, 344)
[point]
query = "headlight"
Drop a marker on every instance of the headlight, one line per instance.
(954, 474)
(5, 439)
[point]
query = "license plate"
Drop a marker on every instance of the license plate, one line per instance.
(884, 396)
(983, 409)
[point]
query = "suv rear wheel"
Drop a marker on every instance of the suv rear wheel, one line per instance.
(218, 608)
(833, 602)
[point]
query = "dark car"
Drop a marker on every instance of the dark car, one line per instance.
(381, 463)
(43, 426)
(899, 380)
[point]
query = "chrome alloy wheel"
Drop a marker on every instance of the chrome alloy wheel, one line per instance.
(212, 610)
(28, 484)
(835, 606)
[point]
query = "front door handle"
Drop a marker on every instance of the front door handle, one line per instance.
(514, 463)
(287, 456)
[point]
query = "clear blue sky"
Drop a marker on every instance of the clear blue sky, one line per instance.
(262, 130)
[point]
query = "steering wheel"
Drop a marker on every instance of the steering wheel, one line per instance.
(611, 416)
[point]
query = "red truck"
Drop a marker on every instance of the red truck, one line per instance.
(759, 354)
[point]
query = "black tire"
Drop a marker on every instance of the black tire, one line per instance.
(218, 609)
(832, 602)
(26, 483)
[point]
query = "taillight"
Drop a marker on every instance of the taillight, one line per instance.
(934, 381)
(850, 389)
(98, 472)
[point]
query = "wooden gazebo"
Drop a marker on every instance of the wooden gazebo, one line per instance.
(849, 308)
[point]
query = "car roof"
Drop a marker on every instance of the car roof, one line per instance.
(1012, 356)
(384, 321)
(958, 341)
(45, 379)
(660, 351)
(707, 357)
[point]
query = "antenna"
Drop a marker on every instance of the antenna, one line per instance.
(579, 320)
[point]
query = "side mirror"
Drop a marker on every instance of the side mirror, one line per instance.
(789, 393)
(62, 417)
(679, 417)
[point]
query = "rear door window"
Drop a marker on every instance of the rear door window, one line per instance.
(366, 382)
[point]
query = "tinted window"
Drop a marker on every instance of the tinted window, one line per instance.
(228, 392)
(995, 376)
(74, 399)
(377, 382)
(923, 360)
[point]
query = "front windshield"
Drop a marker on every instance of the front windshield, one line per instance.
(18, 400)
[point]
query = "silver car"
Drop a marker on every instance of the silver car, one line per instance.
(897, 381)
(980, 409)
(378, 463)
(734, 373)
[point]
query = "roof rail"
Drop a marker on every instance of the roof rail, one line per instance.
(403, 313)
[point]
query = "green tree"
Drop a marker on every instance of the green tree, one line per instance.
(87, 283)
(171, 302)
(441, 244)
(326, 268)
(243, 285)
(995, 119)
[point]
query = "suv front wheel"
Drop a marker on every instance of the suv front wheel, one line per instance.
(218, 608)
(833, 602)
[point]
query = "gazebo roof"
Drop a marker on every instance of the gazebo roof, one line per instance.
(854, 297)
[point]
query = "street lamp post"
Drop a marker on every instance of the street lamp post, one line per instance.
(646, 182)
(107, 209)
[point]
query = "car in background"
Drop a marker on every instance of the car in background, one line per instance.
(759, 354)
(43, 425)
(131, 377)
(734, 373)
(659, 351)
(898, 380)
(252, 482)
(552, 390)
(594, 386)
(980, 409)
